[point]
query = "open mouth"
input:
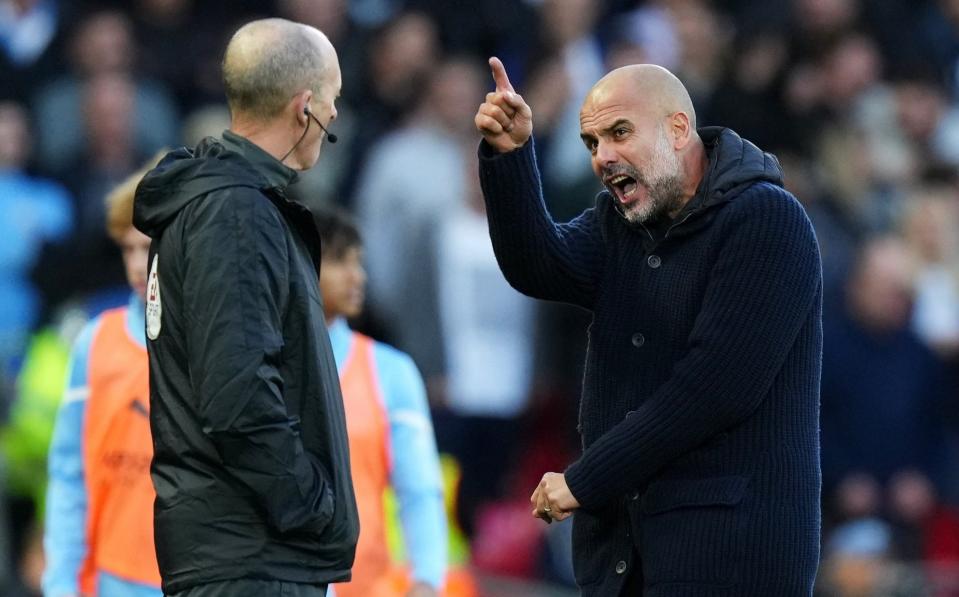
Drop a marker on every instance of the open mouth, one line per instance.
(623, 186)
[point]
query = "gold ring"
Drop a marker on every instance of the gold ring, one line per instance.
(547, 509)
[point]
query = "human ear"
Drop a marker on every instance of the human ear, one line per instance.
(680, 129)
(301, 106)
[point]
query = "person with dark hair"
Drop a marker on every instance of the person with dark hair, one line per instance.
(700, 408)
(391, 435)
(251, 465)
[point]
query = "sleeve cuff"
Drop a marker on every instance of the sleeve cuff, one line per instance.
(581, 487)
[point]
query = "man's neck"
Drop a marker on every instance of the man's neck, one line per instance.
(268, 138)
(696, 163)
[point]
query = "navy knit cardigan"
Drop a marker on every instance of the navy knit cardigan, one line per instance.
(699, 412)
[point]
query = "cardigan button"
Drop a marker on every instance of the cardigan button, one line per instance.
(620, 567)
(654, 261)
(638, 339)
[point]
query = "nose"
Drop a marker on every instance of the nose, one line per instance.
(606, 154)
(359, 274)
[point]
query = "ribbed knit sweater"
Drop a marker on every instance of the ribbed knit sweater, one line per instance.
(699, 412)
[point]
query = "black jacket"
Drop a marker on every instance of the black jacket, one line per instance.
(251, 463)
(700, 405)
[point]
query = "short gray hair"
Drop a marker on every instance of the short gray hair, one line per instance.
(266, 63)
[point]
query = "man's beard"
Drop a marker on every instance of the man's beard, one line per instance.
(665, 198)
(664, 186)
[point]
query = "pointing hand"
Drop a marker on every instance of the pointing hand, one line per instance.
(504, 119)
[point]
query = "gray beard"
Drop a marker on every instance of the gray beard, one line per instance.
(665, 200)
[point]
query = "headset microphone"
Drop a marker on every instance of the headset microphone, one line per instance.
(306, 129)
(330, 136)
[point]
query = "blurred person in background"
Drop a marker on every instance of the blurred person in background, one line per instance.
(926, 121)
(569, 47)
(109, 150)
(937, 34)
(89, 265)
(816, 24)
(391, 435)
(37, 212)
(931, 227)
(646, 34)
(428, 245)
(485, 326)
(411, 181)
(31, 41)
(704, 280)
(400, 64)
(323, 188)
(98, 537)
(858, 496)
(925, 529)
(488, 25)
(102, 44)
(704, 36)
(25, 437)
(840, 129)
(748, 96)
(249, 434)
(859, 562)
(883, 390)
(167, 30)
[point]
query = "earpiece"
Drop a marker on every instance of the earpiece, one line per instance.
(306, 111)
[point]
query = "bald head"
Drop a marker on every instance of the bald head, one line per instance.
(269, 61)
(649, 85)
(639, 125)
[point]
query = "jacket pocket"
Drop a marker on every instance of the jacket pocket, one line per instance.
(692, 531)
(664, 496)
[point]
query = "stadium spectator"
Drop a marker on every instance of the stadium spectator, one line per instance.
(882, 389)
(31, 44)
(103, 43)
(399, 214)
(38, 212)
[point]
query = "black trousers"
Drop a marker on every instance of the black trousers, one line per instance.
(248, 587)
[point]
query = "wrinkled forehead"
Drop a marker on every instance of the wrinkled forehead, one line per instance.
(610, 101)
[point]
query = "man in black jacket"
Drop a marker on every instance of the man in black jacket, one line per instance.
(251, 464)
(700, 408)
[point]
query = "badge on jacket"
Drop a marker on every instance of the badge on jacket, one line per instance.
(154, 308)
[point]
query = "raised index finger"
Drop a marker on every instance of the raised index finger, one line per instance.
(499, 75)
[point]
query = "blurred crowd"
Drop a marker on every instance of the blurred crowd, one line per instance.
(859, 99)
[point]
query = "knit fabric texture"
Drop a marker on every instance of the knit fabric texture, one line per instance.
(699, 412)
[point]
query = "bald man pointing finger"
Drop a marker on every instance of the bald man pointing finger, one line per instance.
(699, 414)
(251, 465)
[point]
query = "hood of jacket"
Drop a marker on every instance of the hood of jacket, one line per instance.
(186, 174)
(734, 163)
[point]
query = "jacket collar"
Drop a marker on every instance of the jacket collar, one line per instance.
(276, 174)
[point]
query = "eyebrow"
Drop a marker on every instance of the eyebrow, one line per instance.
(616, 125)
(586, 137)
